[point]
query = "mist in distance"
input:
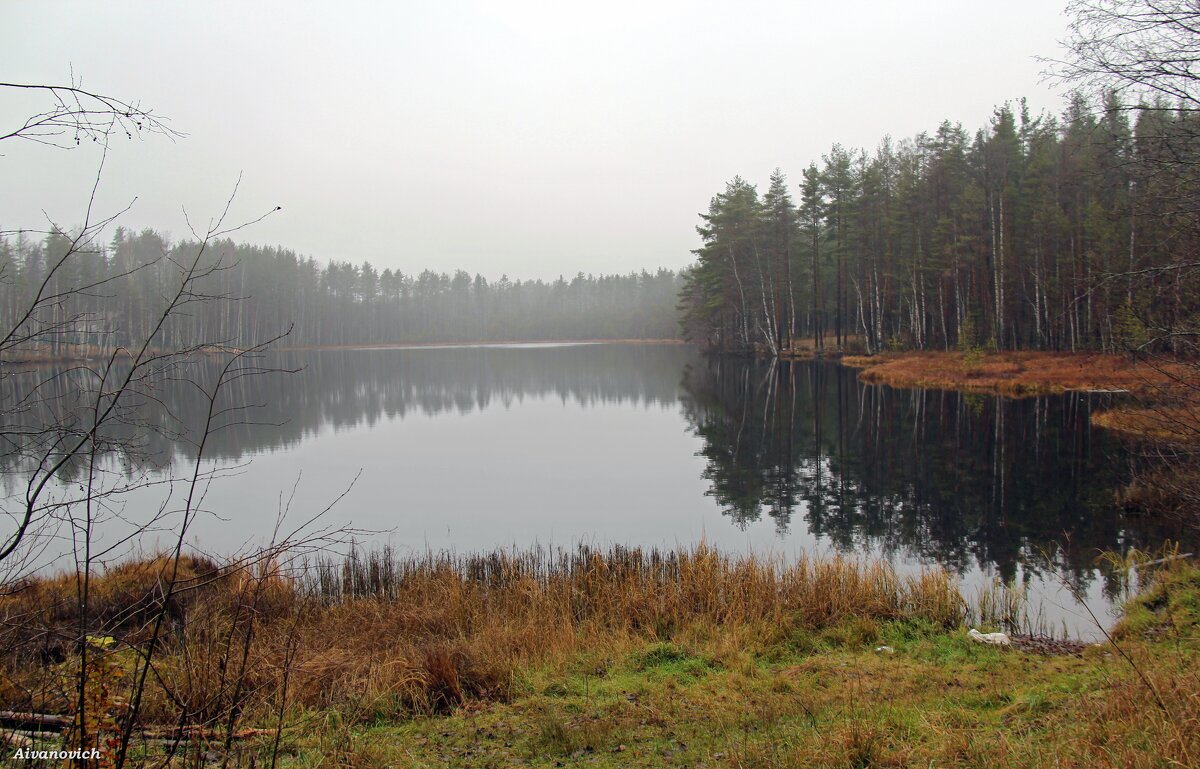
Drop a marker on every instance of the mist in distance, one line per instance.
(528, 139)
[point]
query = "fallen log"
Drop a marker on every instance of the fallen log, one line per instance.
(44, 722)
(16, 739)
(1168, 559)
(170, 733)
(17, 722)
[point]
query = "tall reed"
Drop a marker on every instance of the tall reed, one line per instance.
(376, 632)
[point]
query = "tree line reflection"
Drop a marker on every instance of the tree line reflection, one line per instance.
(294, 396)
(950, 477)
(947, 477)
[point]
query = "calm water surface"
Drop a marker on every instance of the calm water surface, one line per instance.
(473, 448)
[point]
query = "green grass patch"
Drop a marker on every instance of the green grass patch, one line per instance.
(790, 695)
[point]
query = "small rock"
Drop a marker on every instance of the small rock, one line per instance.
(885, 650)
(619, 749)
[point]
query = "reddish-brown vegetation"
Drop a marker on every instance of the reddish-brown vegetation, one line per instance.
(1019, 373)
(1173, 424)
(423, 634)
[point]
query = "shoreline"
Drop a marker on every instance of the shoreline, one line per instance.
(619, 657)
(39, 358)
(1020, 374)
(493, 343)
(1159, 408)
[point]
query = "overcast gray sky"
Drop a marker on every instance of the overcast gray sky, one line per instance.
(530, 138)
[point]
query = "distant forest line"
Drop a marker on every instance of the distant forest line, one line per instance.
(333, 303)
(1066, 233)
(1071, 233)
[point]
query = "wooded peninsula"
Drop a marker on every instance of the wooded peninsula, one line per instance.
(1034, 233)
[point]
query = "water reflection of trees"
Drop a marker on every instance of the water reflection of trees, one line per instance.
(957, 479)
(940, 475)
(341, 389)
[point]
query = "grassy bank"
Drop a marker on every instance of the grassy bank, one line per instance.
(1173, 424)
(617, 658)
(1017, 374)
(1163, 409)
(858, 693)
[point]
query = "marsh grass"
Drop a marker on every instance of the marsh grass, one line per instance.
(1007, 606)
(1173, 424)
(378, 635)
(1018, 374)
(639, 657)
(834, 701)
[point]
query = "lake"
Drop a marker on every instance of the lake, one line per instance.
(474, 448)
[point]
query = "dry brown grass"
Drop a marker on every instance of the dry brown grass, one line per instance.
(629, 657)
(859, 361)
(1165, 492)
(1162, 407)
(1167, 436)
(1174, 424)
(1021, 373)
(443, 630)
(42, 615)
(377, 635)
